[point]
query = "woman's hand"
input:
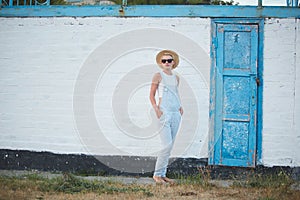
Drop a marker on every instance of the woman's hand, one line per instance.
(158, 112)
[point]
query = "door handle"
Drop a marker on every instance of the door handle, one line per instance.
(257, 81)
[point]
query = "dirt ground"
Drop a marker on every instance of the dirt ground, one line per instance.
(17, 188)
(159, 192)
(15, 185)
(218, 194)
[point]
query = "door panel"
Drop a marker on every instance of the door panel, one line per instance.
(236, 94)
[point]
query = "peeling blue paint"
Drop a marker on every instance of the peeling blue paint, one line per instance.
(151, 11)
(236, 95)
(235, 140)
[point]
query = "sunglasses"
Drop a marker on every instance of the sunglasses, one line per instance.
(167, 60)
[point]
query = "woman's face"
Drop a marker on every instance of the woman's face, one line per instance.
(167, 62)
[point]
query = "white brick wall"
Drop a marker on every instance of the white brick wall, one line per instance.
(297, 92)
(42, 60)
(281, 82)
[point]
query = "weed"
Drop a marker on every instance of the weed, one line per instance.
(280, 180)
(278, 184)
(201, 179)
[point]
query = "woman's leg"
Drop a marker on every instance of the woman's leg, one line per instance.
(167, 144)
(174, 126)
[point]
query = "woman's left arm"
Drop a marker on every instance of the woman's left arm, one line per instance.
(180, 109)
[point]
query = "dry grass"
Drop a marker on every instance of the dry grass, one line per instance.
(70, 187)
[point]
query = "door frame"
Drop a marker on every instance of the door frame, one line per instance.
(212, 97)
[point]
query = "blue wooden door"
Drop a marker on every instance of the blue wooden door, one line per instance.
(235, 97)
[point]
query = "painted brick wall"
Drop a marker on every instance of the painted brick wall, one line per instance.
(281, 131)
(49, 67)
(43, 60)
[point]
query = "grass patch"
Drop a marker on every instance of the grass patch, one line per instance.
(201, 179)
(68, 184)
(197, 180)
(275, 186)
(278, 180)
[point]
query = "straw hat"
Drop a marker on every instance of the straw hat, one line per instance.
(168, 52)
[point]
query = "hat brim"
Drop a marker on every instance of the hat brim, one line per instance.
(167, 52)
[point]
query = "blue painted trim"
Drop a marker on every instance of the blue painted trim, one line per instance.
(260, 92)
(151, 11)
(212, 96)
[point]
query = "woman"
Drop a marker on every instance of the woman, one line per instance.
(168, 109)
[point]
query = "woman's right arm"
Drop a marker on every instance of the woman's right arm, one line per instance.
(154, 85)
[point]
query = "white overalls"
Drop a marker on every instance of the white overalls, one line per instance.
(170, 120)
